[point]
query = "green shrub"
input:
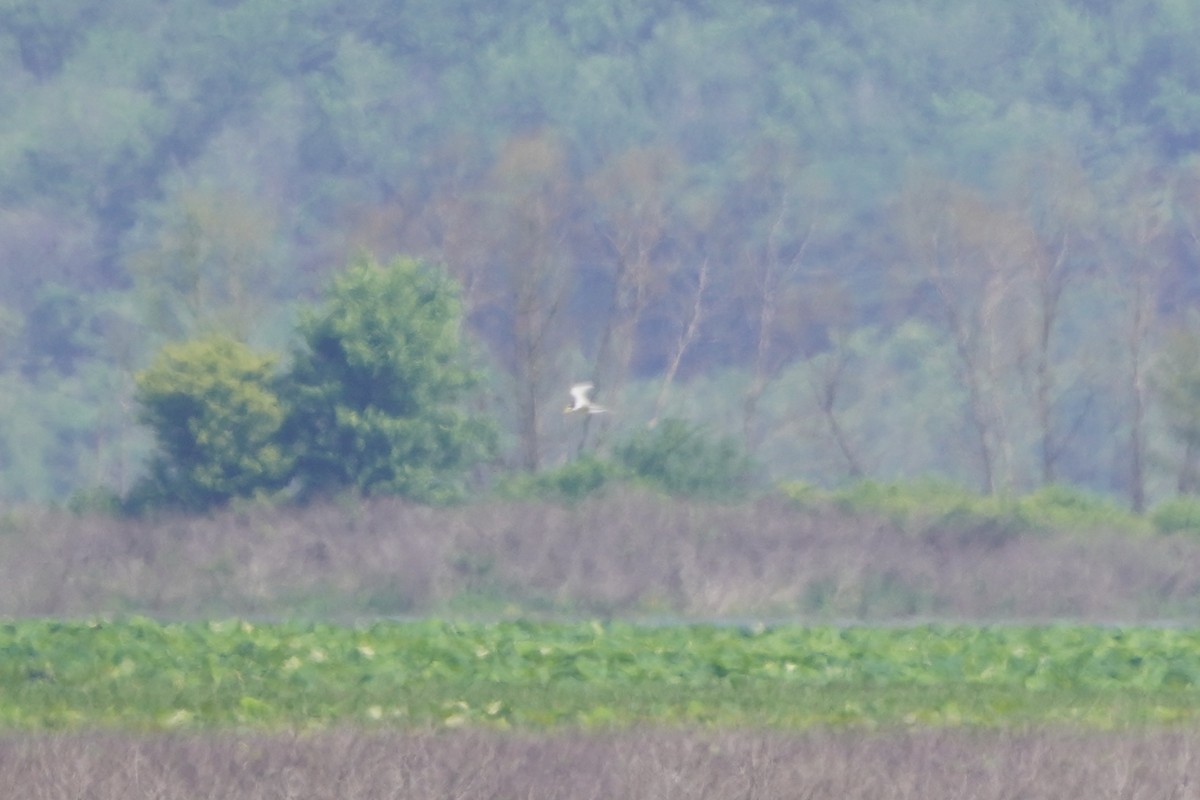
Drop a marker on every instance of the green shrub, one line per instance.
(215, 414)
(682, 459)
(902, 502)
(570, 482)
(98, 500)
(933, 505)
(1058, 507)
(986, 525)
(802, 493)
(1179, 514)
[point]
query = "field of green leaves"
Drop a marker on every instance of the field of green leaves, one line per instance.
(143, 674)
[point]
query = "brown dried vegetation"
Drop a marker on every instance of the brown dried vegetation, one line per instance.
(627, 553)
(343, 765)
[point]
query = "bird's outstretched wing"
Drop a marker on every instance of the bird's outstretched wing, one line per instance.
(579, 395)
(581, 402)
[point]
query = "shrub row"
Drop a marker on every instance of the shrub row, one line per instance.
(929, 505)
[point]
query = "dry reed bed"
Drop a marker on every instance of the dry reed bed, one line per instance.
(628, 553)
(928, 764)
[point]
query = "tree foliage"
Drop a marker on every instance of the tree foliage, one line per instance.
(628, 188)
(376, 387)
(215, 414)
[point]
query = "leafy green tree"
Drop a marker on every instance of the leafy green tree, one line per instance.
(212, 405)
(376, 386)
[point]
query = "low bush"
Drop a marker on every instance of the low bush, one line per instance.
(934, 505)
(1179, 514)
(215, 413)
(1058, 507)
(682, 459)
(919, 504)
(571, 482)
(803, 494)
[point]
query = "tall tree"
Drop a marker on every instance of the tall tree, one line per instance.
(777, 214)
(972, 257)
(1140, 264)
(528, 192)
(633, 203)
(375, 390)
(1053, 192)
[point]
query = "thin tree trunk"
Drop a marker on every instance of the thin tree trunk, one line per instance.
(627, 302)
(1186, 483)
(1137, 429)
(980, 417)
(1051, 285)
(686, 337)
(773, 276)
(827, 392)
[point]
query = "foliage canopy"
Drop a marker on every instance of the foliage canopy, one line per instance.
(699, 188)
(215, 414)
(376, 385)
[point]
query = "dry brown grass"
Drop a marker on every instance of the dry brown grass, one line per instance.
(628, 553)
(929, 765)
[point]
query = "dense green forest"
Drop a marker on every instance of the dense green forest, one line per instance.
(866, 238)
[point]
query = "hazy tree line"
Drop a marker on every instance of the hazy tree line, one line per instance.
(868, 238)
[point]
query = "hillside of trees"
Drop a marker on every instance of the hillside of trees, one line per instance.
(866, 238)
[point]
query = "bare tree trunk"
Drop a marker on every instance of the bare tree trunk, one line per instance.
(527, 372)
(539, 305)
(627, 303)
(1054, 196)
(528, 195)
(1186, 483)
(981, 419)
(1051, 283)
(1137, 422)
(634, 199)
(984, 429)
(1145, 219)
(772, 277)
(968, 254)
(833, 373)
(686, 336)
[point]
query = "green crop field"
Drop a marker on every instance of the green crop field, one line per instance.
(140, 674)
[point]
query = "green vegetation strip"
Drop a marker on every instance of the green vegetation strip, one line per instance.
(143, 674)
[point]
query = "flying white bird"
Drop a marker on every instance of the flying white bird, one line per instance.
(581, 402)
